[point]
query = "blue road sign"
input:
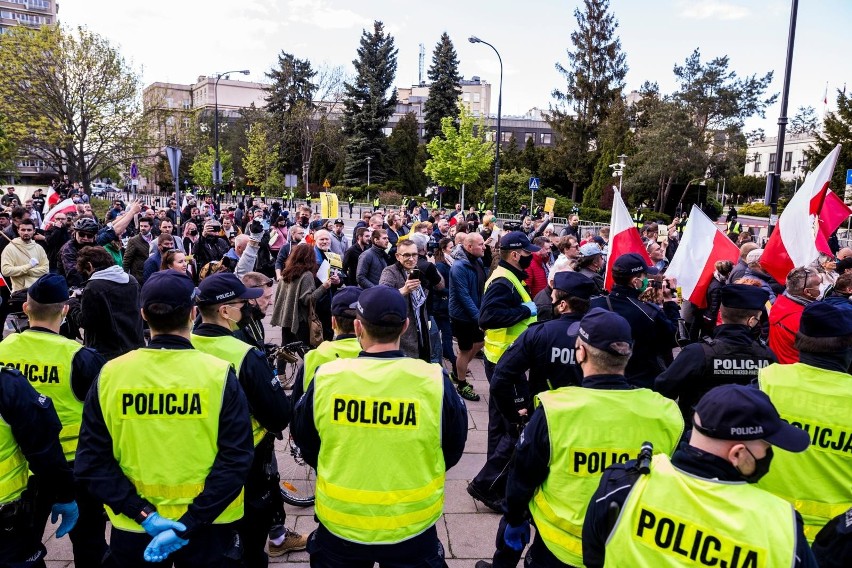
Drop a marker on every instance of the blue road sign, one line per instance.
(848, 177)
(534, 184)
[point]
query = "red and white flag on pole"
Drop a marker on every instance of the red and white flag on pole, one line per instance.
(66, 206)
(831, 212)
(702, 245)
(793, 242)
(623, 237)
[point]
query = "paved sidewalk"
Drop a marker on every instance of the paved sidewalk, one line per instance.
(467, 528)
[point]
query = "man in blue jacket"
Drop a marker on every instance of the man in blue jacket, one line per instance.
(468, 277)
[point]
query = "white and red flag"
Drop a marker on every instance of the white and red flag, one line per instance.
(701, 247)
(794, 241)
(623, 237)
(831, 212)
(66, 206)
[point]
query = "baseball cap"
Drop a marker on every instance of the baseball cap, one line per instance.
(345, 301)
(590, 249)
(338, 221)
(49, 289)
(517, 240)
(822, 319)
(168, 287)
(736, 412)
(601, 328)
(223, 287)
(744, 297)
(633, 263)
(754, 256)
(574, 284)
(383, 306)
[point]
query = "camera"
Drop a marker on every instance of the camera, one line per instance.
(657, 284)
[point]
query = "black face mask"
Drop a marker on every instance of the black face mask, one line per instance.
(525, 261)
(761, 466)
(194, 233)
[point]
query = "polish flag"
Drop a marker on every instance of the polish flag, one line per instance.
(793, 242)
(831, 212)
(702, 245)
(66, 206)
(624, 237)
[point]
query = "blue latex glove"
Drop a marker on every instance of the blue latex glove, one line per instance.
(162, 545)
(517, 538)
(155, 524)
(69, 513)
(533, 308)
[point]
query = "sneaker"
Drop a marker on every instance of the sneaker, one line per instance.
(291, 543)
(492, 502)
(466, 391)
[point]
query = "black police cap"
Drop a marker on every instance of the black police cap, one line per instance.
(744, 297)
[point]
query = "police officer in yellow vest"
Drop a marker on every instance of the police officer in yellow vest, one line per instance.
(64, 370)
(381, 430)
(558, 461)
(223, 301)
(815, 394)
(344, 346)
(376, 203)
(166, 442)
(29, 442)
(506, 311)
(701, 507)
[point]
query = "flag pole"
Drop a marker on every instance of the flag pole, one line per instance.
(773, 180)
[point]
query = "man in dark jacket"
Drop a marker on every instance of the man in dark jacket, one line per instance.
(350, 258)
(468, 277)
(55, 236)
(373, 261)
(211, 247)
(138, 249)
(653, 324)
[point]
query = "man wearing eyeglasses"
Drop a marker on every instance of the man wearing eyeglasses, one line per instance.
(802, 289)
(224, 305)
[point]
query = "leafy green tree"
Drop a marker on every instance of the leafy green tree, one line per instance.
(407, 159)
(836, 129)
(531, 156)
(510, 156)
(445, 88)
(291, 90)
(594, 80)
(202, 167)
(615, 140)
(367, 106)
(804, 122)
(260, 157)
(8, 151)
(462, 155)
(70, 98)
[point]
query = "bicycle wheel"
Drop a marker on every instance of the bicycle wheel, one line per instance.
(298, 479)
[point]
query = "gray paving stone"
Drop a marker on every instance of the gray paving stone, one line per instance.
(456, 498)
(471, 535)
(480, 419)
(467, 468)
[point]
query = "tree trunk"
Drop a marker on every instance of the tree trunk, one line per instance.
(574, 188)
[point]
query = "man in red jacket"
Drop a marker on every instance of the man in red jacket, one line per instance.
(785, 315)
(537, 279)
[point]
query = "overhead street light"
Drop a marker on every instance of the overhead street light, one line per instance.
(217, 167)
(474, 39)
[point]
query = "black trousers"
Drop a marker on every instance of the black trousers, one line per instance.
(502, 437)
(263, 505)
(87, 537)
(539, 556)
(21, 534)
(330, 551)
(216, 546)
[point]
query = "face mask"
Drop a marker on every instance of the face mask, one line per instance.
(644, 285)
(761, 466)
(525, 261)
(248, 314)
(194, 233)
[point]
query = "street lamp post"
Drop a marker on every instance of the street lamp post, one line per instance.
(474, 39)
(217, 167)
(369, 159)
(618, 170)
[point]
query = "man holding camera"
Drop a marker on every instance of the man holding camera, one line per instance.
(653, 323)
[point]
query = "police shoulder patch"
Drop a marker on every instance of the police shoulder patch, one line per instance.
(43, 401)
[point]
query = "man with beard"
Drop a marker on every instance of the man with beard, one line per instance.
(350, 258)
(211, 247)
(297, 235)
(24, 260)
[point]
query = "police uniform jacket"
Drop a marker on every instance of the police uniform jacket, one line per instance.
(532, 453)
(95, 464)
(618, 480)
(36, 427)
(546, 350)
(501, 304)
(453, 420)
(732, 356)
(653, 329)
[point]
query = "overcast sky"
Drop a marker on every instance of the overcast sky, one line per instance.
(178, 40)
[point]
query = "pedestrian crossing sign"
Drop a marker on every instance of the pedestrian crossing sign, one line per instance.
(534, 184)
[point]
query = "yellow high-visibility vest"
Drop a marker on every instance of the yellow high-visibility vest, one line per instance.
(498, 340)
(147, 402)
(380, 475)
(14, 471)
(326, 352)
(45, 359)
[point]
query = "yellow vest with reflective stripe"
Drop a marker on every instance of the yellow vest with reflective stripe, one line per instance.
(589, 430)
(498, 340)
(14, 471)
(161, 407)
(230, 349)
(380, 475)
(674, 519)
(326, 352)
(45, 359)
(818, 481)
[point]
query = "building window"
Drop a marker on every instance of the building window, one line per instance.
(505, 136)
(186, 123)
(466, 97)
(186, 104)
(529, 136)
(756, 163)
(772, 162)
(788, 161)
(546, 138)
(476, 97)
(170, 102)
